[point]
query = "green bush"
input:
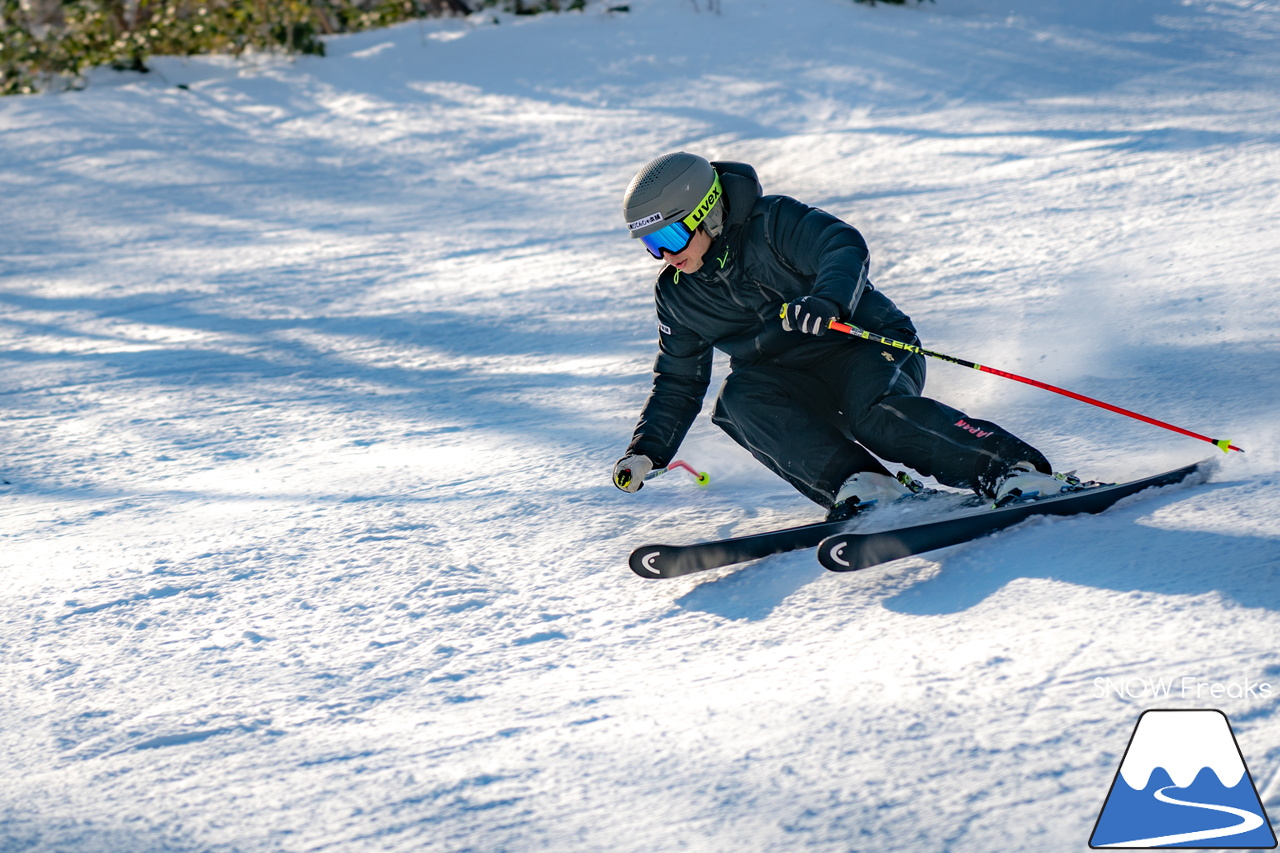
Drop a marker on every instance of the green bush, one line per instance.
(88, 33)
(72, 36)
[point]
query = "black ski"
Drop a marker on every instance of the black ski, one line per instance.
(848, 552)
(671, 561)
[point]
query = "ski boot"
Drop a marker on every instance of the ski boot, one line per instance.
(867, 488)
(1024, 483)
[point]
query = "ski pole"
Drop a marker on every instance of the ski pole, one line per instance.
(702, 477)
(1222, 444)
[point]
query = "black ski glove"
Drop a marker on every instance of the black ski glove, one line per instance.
(811, 315)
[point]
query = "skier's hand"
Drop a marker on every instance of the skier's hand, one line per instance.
(811, 315)
(629, 472)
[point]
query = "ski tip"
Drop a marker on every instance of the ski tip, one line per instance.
(831, 554)
(643, 561)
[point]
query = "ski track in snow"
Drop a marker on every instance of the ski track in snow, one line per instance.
(314, 371)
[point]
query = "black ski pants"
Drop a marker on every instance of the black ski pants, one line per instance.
(812, 414)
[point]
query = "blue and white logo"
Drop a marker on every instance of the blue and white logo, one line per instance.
(1183, 783)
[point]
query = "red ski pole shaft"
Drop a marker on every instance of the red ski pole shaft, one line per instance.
(1221, 443)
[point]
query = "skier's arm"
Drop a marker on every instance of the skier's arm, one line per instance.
(681, 375)
(819, 246)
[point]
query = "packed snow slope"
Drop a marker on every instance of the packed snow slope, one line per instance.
(314, 372)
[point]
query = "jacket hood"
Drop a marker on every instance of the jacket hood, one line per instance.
(741, 190)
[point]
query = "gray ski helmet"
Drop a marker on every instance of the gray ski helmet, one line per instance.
(669, 189)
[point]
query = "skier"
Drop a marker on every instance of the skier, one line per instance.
(812, 407)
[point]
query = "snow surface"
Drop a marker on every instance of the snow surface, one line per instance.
(314, 372)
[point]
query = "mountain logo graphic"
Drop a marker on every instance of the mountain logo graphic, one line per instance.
(1183, 783)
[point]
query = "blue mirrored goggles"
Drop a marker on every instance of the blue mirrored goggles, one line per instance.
(674, 238)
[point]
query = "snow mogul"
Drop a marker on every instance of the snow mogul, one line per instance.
(817, 409)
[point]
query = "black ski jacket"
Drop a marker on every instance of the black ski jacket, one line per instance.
(773, 250)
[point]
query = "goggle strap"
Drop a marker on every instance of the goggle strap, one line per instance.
(699, 213)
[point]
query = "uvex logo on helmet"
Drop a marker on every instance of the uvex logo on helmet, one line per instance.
(709, 201)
